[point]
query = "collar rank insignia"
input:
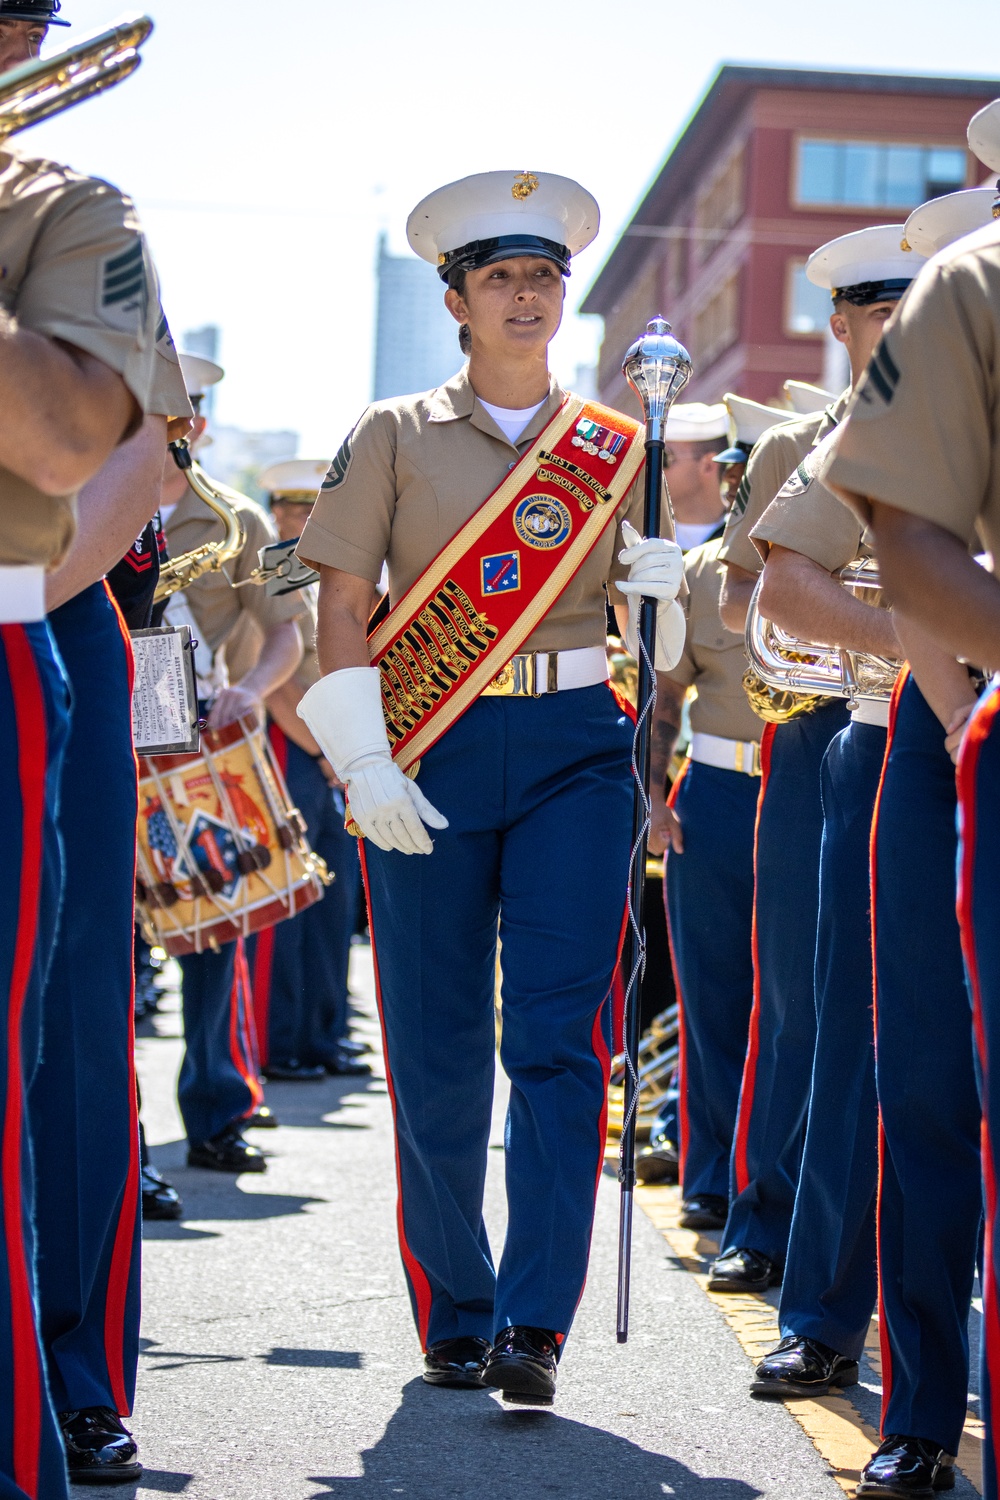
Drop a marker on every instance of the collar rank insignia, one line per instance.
(501, 574)
(599, 442)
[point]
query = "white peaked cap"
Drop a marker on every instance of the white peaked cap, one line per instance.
(494, 205)
(871, 254)
(944, 220)
(984, 135)
(294, 476)
(199, 373)
(694, 422)
(804, 398)
(751, 419)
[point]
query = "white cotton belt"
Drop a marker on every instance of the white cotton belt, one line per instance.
(539, 672)
(726, 755)
(22, 595)
(874, 711)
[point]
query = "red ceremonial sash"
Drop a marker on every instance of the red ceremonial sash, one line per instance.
(488, 588)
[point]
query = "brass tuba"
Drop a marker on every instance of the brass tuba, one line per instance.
(46, 86)
(801, 674)
(180, 572)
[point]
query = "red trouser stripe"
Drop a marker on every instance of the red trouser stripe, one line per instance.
(263, 963)
(32, 737)
(414, 1270)
(981, 725)
(740, 1168)
(883, 1330)
(241, 1046)
(682, 1113)
(126, 1244)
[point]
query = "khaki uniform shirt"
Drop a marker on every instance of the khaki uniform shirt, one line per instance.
(217, 607)
(777, 454)
(714, 659)
(923, 432)
(74, 266)
(410, 475)
(244, 643)
(808, 518)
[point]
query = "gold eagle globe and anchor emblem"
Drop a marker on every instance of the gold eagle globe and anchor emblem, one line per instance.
(525, 183)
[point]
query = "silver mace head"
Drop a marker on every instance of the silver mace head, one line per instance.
(657, 368)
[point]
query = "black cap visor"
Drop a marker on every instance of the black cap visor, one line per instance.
(737, 454)
(864, 293)
(480, 253)
(44, 15)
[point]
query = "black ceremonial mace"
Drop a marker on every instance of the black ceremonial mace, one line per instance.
(657, 368)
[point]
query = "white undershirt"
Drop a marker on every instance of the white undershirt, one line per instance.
(166, 511)
(510, 421)
(693, 533)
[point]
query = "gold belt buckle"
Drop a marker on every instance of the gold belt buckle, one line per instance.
(518, 679)
(754, 768)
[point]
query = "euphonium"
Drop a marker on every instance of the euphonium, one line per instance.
(180, 572)
(46, 86)
(800, 674)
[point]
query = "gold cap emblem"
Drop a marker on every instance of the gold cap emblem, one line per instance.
(525, 184)
(904, 244)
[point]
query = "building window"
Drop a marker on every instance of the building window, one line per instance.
(874, 174)
(808, 307)
(716, 325)
(719, 207)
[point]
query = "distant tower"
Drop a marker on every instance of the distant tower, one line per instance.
(204, 341)
(416, 338)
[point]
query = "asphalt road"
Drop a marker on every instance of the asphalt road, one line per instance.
(279, 1360)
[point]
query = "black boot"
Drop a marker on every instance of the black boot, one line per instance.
(99, 1450)
(522, 1366)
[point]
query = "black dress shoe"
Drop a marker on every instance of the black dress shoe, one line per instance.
(522, 1366)
(907, 1468)
(707, 1211)
(160, 1199)
(457, 1362)
(226, 1152)
(261, 1119)
(353, 1046)
(341, 1064)
(99, 1450)
(293, 1071)
(743, 1270)
(803, 1367)
(657, 1164)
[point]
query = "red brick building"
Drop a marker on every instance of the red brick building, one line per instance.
(774, 162)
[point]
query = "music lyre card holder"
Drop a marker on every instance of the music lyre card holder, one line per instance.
(165, 697)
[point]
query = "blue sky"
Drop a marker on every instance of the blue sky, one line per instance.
(267, 143)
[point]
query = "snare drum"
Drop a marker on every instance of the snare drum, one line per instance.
(222, 853)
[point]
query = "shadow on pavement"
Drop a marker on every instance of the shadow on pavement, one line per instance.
(178, 1359)
(322, 1106)
(315, 1359)
(457, 1444)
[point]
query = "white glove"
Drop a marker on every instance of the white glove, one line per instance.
(656, 571)
(344, 714)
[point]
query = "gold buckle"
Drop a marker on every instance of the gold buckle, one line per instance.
(519, 678)
(753, 769)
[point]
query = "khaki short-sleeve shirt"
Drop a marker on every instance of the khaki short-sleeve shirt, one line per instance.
(714, 659)
(410, 475)
(773, 459)
(74, 266)
(923, 432)
(217, 606)
(807, 518)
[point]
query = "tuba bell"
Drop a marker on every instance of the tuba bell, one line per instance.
(796, 676)
(46, 86)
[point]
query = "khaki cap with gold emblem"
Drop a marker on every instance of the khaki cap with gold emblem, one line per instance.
(495, 216)
(944, 220)
(294, 478)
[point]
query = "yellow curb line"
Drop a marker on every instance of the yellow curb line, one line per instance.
(836, 1429)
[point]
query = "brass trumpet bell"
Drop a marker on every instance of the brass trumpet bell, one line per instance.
(46, 86)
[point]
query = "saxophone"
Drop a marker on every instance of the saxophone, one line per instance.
(180, 572)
